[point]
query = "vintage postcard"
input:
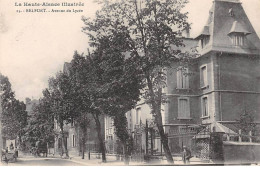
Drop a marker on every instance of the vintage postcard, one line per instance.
(129, 82)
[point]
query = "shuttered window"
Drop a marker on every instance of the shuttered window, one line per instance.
(203, 76)
(183, 108)
(205, 110)
(238, 40)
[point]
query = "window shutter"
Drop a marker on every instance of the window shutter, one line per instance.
(183, 108)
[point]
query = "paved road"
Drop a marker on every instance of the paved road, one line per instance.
(43, 162)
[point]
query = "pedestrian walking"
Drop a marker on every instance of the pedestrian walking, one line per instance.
(186, 155)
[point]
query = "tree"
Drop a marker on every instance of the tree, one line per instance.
(14, 115)
(61, 103)
(150, 30)
(41, 122)
(120, 85)
(79, 78)
(84, 94)
(246, 122)
(105, 84)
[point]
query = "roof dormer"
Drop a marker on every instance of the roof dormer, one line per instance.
(204, 37)
(238, 34)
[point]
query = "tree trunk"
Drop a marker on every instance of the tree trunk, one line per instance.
(83, 148)
(83, 142)
(64, 146)
(126, 152)
(156, 108)
(100, 138)
(164, 138)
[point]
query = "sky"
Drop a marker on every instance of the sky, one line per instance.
(34, 46)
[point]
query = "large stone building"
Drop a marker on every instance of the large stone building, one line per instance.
(210, 94)
(223, 81)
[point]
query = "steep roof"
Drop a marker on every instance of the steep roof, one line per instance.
(238, 28)
(205, 32)
(227, 17)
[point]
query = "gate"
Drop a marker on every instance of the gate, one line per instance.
(197, 139)
(203, 149)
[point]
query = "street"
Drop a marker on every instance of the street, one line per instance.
(31, 161)
(77, 161)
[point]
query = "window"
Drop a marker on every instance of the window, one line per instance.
(205, 107)
(109, 125)
(138, 114)
(182, 78)
(183, 108)
(203, 76)
(238, 39)
(231, 12)
(204, 41)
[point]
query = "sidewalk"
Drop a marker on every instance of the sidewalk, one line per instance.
(111, 161)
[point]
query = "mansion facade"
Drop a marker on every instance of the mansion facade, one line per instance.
(211, 93)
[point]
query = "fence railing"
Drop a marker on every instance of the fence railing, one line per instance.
(242, 137)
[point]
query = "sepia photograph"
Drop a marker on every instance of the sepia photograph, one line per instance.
(129, 83)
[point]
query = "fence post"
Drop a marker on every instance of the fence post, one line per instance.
(240, 137)
(250, 136)
(216, 152)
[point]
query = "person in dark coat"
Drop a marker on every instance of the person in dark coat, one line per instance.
(186, 155)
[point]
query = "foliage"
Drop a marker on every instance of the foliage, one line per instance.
(84, 92)
(104, 84)
(148, 32)
(41, 122)
(61, 102)
(14, 115)
(246, 122)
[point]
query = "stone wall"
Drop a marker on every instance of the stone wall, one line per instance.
(241, 152)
